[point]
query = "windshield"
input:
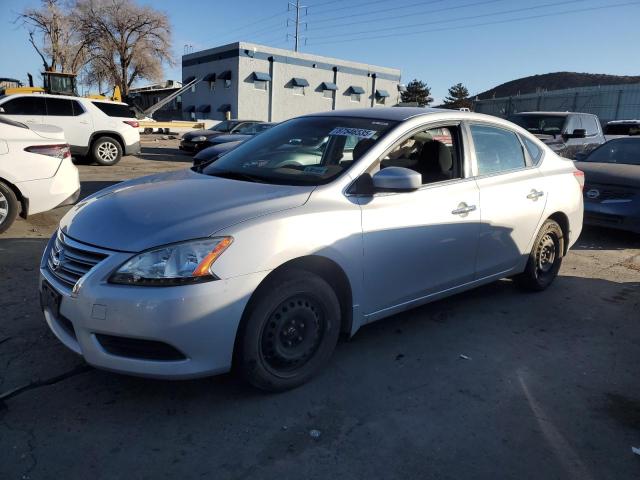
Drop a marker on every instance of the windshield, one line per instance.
(247, 129)
(224, 126)
(540, 124)
(623, 150)
(622, 129)
(302, 151)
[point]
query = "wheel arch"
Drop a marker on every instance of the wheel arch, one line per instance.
(326, 269)
(106, 133)
(563, 220)
(24, 201)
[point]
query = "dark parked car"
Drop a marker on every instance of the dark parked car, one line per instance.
(198, 139)
(224, 143)
(566, 133)
(612, 184)
(621, 128)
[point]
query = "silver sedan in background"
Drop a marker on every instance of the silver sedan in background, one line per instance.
(318, 226)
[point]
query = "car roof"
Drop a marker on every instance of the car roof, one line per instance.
(67, 97)
(381, 113)
(623, 122)
(558, 114)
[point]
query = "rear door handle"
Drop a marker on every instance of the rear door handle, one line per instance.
(535, 194)
(463, 209)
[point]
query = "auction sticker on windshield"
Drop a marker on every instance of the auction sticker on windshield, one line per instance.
(353, 132)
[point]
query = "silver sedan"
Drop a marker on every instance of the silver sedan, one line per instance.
(317, 227)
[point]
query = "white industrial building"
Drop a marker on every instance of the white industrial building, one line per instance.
(250, 81)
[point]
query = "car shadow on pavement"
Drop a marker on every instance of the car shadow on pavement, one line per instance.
(165, 154)
(89, 187)
(599, 238)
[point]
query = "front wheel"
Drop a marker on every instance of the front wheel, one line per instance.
(106, 151)
(289, 332)
(545, 258)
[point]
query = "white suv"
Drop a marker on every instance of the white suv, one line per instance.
(102, 129)
(36, 172)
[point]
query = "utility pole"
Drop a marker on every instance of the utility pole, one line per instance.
(297, 7)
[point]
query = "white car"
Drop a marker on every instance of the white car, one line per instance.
(36, 172)
(102, 129)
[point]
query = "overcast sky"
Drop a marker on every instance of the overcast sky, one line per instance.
(442, 42)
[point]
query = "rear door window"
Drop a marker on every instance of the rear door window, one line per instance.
(497, 150)
(25, 106)
(115, 109)
(59, 107)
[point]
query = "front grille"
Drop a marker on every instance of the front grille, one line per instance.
(140, 349)
(608, 192)
(68, 261)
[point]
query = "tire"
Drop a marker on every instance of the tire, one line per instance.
(289, 331)
(8, 207)
(544, 260)
(106, 151)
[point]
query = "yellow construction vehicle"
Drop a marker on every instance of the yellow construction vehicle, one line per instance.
(57, 83)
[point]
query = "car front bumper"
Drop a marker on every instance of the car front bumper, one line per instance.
(190, 146)
(198, 321)
(621, 215)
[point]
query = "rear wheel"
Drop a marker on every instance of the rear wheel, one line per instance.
(106, 151)
(8, 207)
(289, 332)
(545, 258)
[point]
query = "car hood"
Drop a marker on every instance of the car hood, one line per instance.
(236, 137)
(210, 152)
(610, 173)
(171, 207)
(201, 133)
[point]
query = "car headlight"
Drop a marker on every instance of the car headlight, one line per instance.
(201, 138)
(176, 264)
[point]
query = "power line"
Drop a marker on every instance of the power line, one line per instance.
(468, 17)
(394, 8)
(412, 14)
(314, 5)
(530, 17)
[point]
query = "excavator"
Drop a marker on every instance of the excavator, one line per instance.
(56, 83)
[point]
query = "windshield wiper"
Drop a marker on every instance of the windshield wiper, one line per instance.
(236, 176)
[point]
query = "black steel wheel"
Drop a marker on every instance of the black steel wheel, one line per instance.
(545, 258)
(289, 331)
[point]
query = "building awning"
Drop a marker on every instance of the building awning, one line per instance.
(329, 86)
(382, 93)
(210, 77)
(204, 108)
(190, 108)
(402, 88)
(263, 77)
(224, 108)
(188, 79)
(226, 75)
(356, 89)
(299, 82)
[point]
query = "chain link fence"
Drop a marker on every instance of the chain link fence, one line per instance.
(610, 102)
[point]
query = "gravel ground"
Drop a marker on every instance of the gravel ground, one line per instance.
(493, 383)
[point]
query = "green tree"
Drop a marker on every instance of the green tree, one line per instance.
(417, 92)
(458, 97)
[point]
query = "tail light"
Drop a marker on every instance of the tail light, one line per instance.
(60, 151)
(132, 123)
(579, 175)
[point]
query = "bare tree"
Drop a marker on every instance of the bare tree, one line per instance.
(54, 37)
(126, 42)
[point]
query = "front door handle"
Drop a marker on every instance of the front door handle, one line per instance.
(463, 209)
(534, 195)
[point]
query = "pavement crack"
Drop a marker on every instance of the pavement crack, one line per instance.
(5, 340)
(42, 383)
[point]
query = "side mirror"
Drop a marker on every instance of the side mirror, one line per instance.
(396, 179)
(577, 133)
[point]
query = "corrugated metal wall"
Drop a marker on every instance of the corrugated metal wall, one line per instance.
(610, 102)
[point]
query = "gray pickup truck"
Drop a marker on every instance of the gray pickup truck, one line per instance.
(567, 133)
